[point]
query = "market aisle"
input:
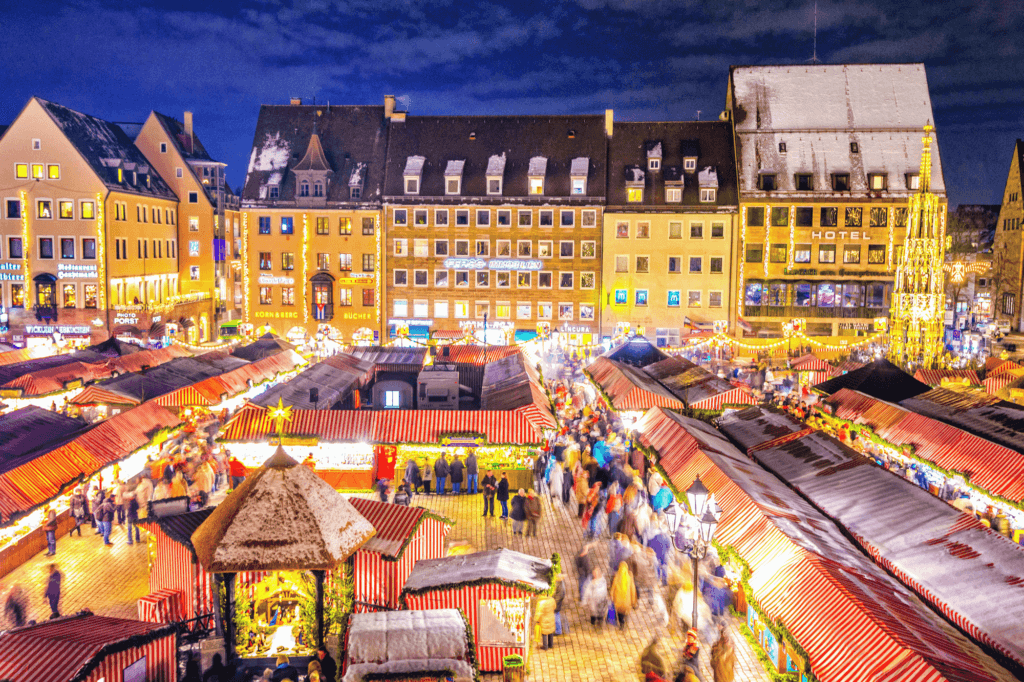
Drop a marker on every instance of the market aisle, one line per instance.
(586, 654)
(106, 580)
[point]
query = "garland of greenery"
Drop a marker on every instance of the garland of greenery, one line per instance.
(556, 570)
(438, 675)
(117, 647)
(766, 663)
(607, 398)
(346, 604)
(471, 583)
(415, 529)
(470, 646)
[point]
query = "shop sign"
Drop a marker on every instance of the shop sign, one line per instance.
(574, 329)
(11, 272)
(399, 322)
(354, 280)
(493, 264)
(67, 330)
(123, 308)
(862, 326)
(273, 279)
(263, 314)
(126, 318)
(478, 324)
(831, 234)
(303, 441)
(75, 271)
(157, 318)
(355, 316)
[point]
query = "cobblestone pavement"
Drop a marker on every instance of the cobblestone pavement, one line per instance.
(106, 580)
(586, 654)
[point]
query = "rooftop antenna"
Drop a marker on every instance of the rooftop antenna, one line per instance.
(814, 55)
(698, 114)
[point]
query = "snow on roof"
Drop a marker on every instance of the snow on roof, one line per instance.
(414, 165)
(708, 177)
(282, 517)
(407, 635)
(634, 174)
(538, 166)
(272, 156)
(580, 166)
(496, 164)
(275, 178)
(358, 174)
(530, 572)
(454, 168)
(654, 150)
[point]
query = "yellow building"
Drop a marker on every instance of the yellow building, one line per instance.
(208, 216)
(310, 222)
(1007, 287)
(90, 244)
(824, 190)
(669, 230)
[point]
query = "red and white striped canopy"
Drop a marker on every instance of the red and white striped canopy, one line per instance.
(394, 523)
(629, 389)
(934, 377)
(812, 363)
(994, 384)
(736, 396)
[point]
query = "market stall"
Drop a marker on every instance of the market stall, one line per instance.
(404, 536)
(494, 590)
(812, 370)
(88, 648)
(173, 565)
(413, 646)
(950, 378)
(287, 524)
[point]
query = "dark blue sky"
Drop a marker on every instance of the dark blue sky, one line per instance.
(647, 59)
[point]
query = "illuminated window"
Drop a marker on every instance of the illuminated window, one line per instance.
(802, 253)
(876, 254)
(878, 217)
(673, 195)
(53, 172)
(544, 249)
(401, 247)
(461, 309)
(524, 249)
(287, 295)
(264, 225)
(503, 280)
(536, 185)
(780, 216)
(401, 308)
(565, 311)
(640, 298)
(44, 209)
(369, 297)
(544, 311)
(634, 194)
(854, 216)
(579, 186)
(21, 170)
(913, 181)
(588, 249)
(66, 209)
(587, 280)
(878, 182)
(673, 298)
(708, 195)
(483, 308)
(778, 253)
(419, 217)
(504, 248)
(524, 311)
(714, 299)
(369, 227)
(503, 310)
(90, 295)
(755, 253)
(483, 248)
(441, 309)
(266, 297)
(826, 253)
(69, 294)
(344, 226)
(523, 279)
(345, 262)
(420, 248)
(462, 278)
(622, 230)
(440, 278)
(287, 259)
(322, 226)
(643, 264)
(483, 279)
(344, 296)
(851, 253)
(621, 263)
(193, 247)
(287, 225)
(526, 218)
(401, 217)
(693, 299)
(643, 230)
(38, 171)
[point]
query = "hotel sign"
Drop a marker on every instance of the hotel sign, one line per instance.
(75, 271)
(492, 264)
(272, 279)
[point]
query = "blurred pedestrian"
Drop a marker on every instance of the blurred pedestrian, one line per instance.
(518, 512)
(50, 526)
(533, 512)
(16, 606)
(52, 592)
(623, 594)
(595, 597)
(490, 486)
(501, 493)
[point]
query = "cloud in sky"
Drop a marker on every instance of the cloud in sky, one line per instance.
(657, 59)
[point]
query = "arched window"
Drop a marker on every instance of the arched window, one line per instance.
(318, 189)
(304, 189)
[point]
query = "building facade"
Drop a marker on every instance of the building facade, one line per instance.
(669, 230)
(824, 190)
(89, 227)
(1004, 279)
(311, 235)
(494, 226)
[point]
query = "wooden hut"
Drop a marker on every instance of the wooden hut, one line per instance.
(176, 567)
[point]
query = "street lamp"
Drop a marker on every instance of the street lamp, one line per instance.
(707, 511)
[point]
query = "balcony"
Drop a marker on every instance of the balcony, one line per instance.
(813, 312)
(323, 312)
(46, 313)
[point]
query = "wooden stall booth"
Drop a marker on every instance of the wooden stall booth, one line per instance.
(494, 589)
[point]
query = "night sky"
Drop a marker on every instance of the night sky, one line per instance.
(646, 59)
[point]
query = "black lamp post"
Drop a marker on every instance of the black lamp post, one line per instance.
(708, 514)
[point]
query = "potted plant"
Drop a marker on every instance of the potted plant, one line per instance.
(513, 668)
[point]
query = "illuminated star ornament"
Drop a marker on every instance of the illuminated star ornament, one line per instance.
(281, 414)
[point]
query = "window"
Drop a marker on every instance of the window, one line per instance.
(69, 292)
(851, 254)
(401, 308)
(37, 171)
(345, 262)
(66, 209)
(524, 249)
(900, 217)
(504, 218)
(462, 217)
(401, 217)
(543, 311)
(780, 216)
(90, 295)
(643, 230)
(579, 186)
(369, 297)
(696, 265)
(441, 217)
(536, 185)
(67, 247)
(878, 217)
(524, 311)
(714, 299)
(193, 197)
(322, 226)
(494, 185)
(804, 182)
(287, 225)
(287, 295)
(693, 299)
(622, 230)
(913, 181)
(323, 261)
(502, 310)
(89, 248)
(275, 191)
(708, 195)
(46, 247)
(755, 216)
(675, 264)
(287, 259)
(412, 186)
(441, 278)
(643, 264)
(525, 218)
(504, 280)
(621, 263)
(21, 170)
(318, 191)
(441, 309)
(640, 297)
(755, 253)
(263, 229)
(716, 264)
(14, 249)
(452, 186)
(673, 298)
(876, 254)
(482, 308)
(483, 248)
(875, 296)
(544, 248)
(804, 216)
(369, 227)
(878, 182)
(841, 182)
(265, 263)
(588, 249)
(566, 249)
(157, 214)
(567, 218)
(483, 279)
(462, 247)
(565, 280)
(462, 309)
(673, 195)
(634, 195)
(13, 208)
(266, 298)
(462, 278)
(401, 278)
(653, 164)
(483, 218)
(547, 218)
(829, 216)
(1009, 304)
(565, 311)
(419, 278)
(504, 248)
(368, 262)
(523, 279)
(44, 209)
(778, 253)
(854, 216)
(178, 172)
(766, 182)
(690, 164)
(420, 248)
(621, 296)
(826, 253)
(440, 247)
(586, 312)
(543, 280)
(802, 253)
(17, 295)
(675, 230)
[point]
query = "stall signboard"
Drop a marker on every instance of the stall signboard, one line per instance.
(65, 329)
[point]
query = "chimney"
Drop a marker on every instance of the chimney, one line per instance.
(389, 105)
(188, 131)
(296, 101)
(609, 121)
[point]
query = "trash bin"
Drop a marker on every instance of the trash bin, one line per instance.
(513, 668)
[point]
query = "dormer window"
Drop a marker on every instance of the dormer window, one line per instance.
(841, 182)
(120, 175)
(913, 181)
(673, 195)
(303, 189)
(804, 182)
(537, 170)
(453, 177)
(412, 174)
(275, 192)
(318, 189)
(355, 181)
(690, 164)
(653, 164)
(707, 179)
(766, 182)
(878, 182)
(654, 154)
(708, 195)
(634, 184)
(495, 174)
(355, 192)
(579, 170)
(782, 147)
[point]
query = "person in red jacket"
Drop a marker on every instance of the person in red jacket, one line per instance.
(237, 471)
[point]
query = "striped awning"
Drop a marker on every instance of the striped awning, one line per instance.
(812, 363)
(994, 367)
(12, 357)
(629, 389)
(394, 523)
(995, 384)
(97, 395)
(187, 396)
(934, 377)
(54, 379)
(450, 334)
(737, 396)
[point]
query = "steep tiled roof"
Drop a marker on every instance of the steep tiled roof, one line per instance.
(709, 141)
(547, 144)
(314, 160)
(100, 143)
(349, 135)
(190, 149)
